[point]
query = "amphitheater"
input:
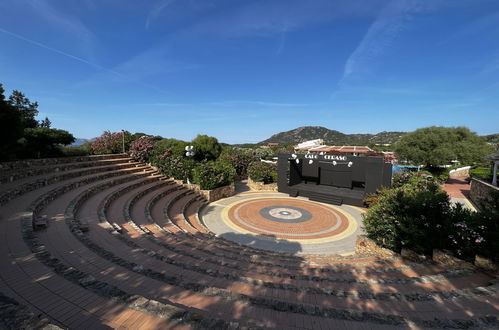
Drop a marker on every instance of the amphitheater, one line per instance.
(104, 242)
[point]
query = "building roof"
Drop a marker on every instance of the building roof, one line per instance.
(342, 149)
(309, 144)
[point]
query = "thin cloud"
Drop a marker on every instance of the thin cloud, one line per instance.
(272, 18)
(77, 58)
(157, 10)
(66, 24)
(392, 20)
(230, 103)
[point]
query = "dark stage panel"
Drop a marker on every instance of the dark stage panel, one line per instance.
(328, 194)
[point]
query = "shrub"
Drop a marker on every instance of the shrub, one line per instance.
(168, 146)
(412, 215)
(74, 151)
(401, 178)
(482, 173)
(418, 215)
(176, 167)
(262, 172)
(110, 143)
(141, 149)
(239, 159)
(211, 175)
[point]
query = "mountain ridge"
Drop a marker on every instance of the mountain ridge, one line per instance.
(332, 137)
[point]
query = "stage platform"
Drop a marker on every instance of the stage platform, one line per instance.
(328, 194)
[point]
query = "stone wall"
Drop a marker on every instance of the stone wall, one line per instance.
(260, 186)
(480, 191)
(460, 172)
(213, 194)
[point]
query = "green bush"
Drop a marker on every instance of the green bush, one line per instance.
(482, 173)
(75, 151)
(262, 172)
(176, 167)
(211, 175)
(418, 215)
(411, 216)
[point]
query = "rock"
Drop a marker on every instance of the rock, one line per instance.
(412, 256)
(364, 245)
(447, 259)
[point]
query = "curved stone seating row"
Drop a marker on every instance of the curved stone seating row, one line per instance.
(260, 302)
(158, 274)
(18, 189)
(203, 269)
(108, 291)
(205, 244)
(422, 279)
(14, 315)
(22, 164)
(15, 175)
(40, 288)
(425, 279)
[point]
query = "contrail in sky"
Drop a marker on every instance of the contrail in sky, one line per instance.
(76, 58)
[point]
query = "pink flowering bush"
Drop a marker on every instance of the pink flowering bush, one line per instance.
(141, 149)
(109, 143)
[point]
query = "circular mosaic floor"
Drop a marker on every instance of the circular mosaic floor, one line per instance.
(280, 223)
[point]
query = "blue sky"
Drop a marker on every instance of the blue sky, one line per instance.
(243, 70)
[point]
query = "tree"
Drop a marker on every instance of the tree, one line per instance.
(26, 108)
(435, 146)
(45, 123)
(11, 128)
(44, 141)
(206, 147)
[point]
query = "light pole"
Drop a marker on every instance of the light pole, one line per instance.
(189, 153)
(123, 139)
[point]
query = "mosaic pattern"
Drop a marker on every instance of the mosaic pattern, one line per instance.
(287, 214)
(289, 218)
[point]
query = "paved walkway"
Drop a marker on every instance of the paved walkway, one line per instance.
(276, 222)
(458, 190)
